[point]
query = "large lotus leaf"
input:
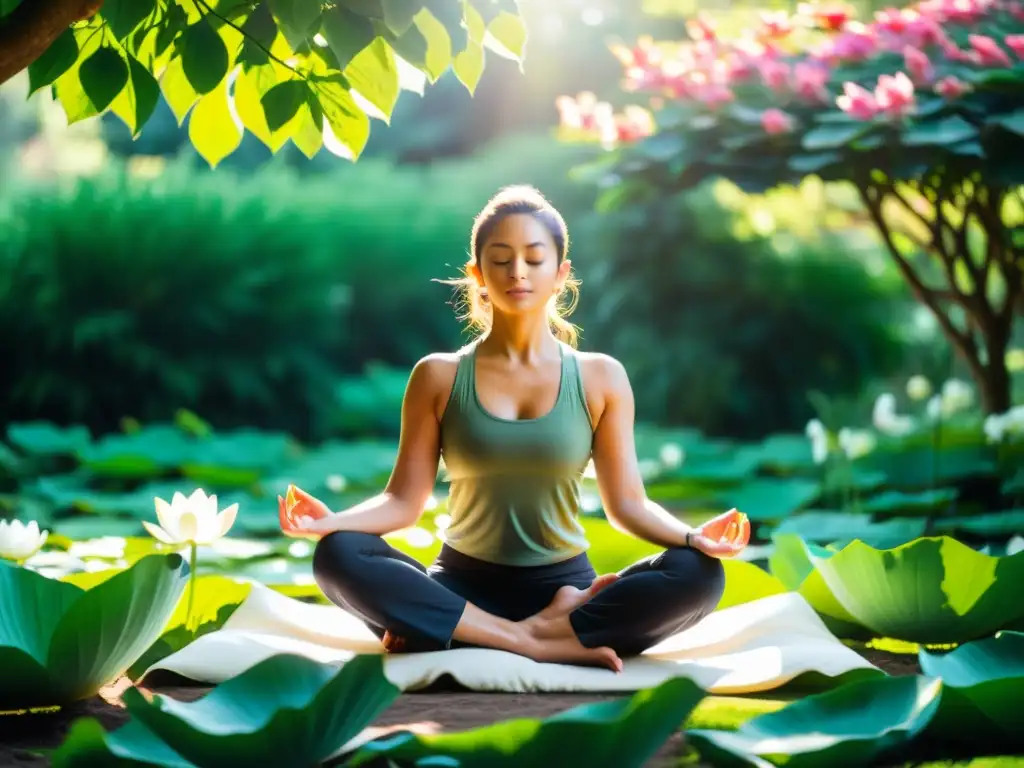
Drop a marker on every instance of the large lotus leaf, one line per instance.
(88, 745)
(900, 503)
(765, 499)
(993, 524)
(983, 695)
(831, 526)
(286, 710)
(855, 724)
(932, 590)
(621, 733)
(80, 640)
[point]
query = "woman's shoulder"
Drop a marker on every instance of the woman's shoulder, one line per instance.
(434, 373)
(602, 368)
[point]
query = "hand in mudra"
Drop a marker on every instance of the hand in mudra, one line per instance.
(299, 512)
(722, 536)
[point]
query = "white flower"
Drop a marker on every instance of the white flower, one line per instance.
(671, 455)
(19, 541)
(819, 440)
(855, 443)
(934, 407)
(997, 425)
(191, 520)
(887, 420)
(918, 387)
(956, 396)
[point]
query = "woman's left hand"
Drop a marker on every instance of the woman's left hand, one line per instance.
(302, 515)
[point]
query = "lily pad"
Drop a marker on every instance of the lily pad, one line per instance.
(41, 438)
(621, 733)
(933, 590)
(60, 643)
(993, 524)
(766, 499)
(856, 724)
(832, 526)
(898, 503)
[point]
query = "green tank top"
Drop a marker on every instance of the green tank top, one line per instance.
(514, 493)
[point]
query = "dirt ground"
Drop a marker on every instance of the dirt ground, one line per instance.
(438, 710)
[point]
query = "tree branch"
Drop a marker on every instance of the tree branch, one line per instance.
(964, 342)
(27, 32)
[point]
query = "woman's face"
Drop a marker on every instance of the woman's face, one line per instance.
(519, 265)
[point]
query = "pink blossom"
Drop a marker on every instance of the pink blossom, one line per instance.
(895, 20)
(894, 94)
(809, 81)
(857, 102)
(831, 18)
(989, 52)
(951, 88)
(918, 65)
(1016, 44)
(776, 121)
(855, 43)
(774, 74)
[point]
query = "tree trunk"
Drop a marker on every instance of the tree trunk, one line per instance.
(27, 32)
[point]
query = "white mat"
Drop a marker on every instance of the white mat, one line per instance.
(748, 648)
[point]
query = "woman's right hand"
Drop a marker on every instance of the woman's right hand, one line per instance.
(724, 536)
(299, 512)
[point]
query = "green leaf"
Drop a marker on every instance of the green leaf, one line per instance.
(123, 16)
(399, 14)
(948, 130)
(177, 90)
(308, 136)
(53, 62)
(112, 624)
(663, 146)
(833, 135)
(373, 74)
(78, 641)
(991, 658)
(281, 103)
(347, 34)
(922, 503)
(88, 744)
(204, 57)
(508, 30)
(286, 710)
(103, 75)
(991, 525)
(814, 162)
(982, 695)
(826, 527)
(1013, 122)
(438, 54)
(135, 104)
(295, 18)
(932, 590)
(856, 724)
(212, 128)
(41, 438)
(250, 111)
(765, 499)
(622, 733)
(348, 124)
(469, 66)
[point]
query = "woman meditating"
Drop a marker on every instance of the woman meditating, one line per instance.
(517, 415)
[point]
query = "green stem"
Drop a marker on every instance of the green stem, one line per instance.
(191, 587)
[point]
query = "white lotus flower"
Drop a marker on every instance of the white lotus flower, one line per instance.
(19, 541)
(998, 425)
(887, 420)
(818, 436)
(856, 443)
(191, 520)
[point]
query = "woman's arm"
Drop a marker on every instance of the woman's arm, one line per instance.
(621, 485)
(412, 480)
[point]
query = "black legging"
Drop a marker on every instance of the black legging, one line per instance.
(654, 598)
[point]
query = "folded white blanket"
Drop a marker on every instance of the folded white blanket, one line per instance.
(747, 648)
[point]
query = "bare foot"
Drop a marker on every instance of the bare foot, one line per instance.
(552, 638)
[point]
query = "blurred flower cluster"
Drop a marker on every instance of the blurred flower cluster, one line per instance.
(796, 58)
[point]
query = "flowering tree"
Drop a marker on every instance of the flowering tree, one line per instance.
(922, 109)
